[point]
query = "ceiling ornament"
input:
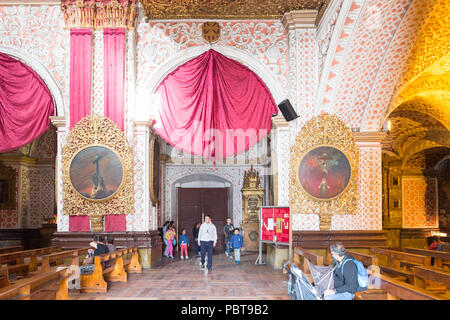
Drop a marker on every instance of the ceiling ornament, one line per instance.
(226, 9)
(324, 130)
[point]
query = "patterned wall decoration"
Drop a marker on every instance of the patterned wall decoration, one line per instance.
(157, 41)
(9, 219)
(372, 37)
(39, 30)
(420, 207)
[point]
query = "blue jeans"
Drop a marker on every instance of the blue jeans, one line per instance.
(197, 248)
(339, 296)
(237, 254)
(206, 246)
(228, 251)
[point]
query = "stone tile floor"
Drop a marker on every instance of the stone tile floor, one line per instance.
(184, 280)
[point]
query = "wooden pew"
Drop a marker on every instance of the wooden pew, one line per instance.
(47, 285)
(399, 264)
(440, 257)
(366, 259)
(10, 249)
(18, 257)
(97, 281)
(422, 275)
(300, 256)
(57, 258)
(394, 289)
(4, 277)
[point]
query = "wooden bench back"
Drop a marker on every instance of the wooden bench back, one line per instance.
(18, 256)
(422, 273)
(300, 256)
(401, 290)
(394, 257)
(10, 249)
(24, 288)
(439, 256)
(366, 259)
(4, 277)
(58, 258)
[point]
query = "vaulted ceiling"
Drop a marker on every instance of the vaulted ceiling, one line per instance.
(420, 108)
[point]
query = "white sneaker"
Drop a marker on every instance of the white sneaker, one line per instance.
(187, 257)
(182, 258)
(230, 256)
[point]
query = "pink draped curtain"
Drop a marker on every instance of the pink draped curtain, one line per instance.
(114, 86)
(25, 104)
(114, 77)
(80, 74)
(214, 106)
(80, 95)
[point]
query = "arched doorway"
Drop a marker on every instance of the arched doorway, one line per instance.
(199, 195)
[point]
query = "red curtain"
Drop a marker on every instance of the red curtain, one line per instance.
(80, 95)
(214, 106)
(114, 74)
(80, 74)
(114, 86)
(25, 104)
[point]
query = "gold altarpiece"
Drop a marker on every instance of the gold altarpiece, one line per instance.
(97, 171)
(252, 201)
(328, 132)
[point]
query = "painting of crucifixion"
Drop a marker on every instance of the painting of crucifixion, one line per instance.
(96, 173)
(324, 172)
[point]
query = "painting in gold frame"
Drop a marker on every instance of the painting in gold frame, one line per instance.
(324, 172)
(96, 173)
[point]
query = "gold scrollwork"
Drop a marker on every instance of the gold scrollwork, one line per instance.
(326, 130)
(95, 130)
(154, 170)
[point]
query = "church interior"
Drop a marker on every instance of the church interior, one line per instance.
(119, 115)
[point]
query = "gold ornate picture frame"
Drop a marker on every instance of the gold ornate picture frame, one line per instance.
(155, 177)
(95, 133)
(330, 131)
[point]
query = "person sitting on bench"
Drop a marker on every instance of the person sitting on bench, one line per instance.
(345, 275)
(100, 248)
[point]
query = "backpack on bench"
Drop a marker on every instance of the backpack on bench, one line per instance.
(363, 275)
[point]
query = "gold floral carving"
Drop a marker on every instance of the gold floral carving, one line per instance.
(324, 130)
(99, 14)
(226, 9)
(95, 130)
(155, 177)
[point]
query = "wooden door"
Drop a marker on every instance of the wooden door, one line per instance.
(195, 203)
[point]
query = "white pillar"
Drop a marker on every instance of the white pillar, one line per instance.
(61, 134)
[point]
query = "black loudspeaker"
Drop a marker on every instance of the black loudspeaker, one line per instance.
(287, 110)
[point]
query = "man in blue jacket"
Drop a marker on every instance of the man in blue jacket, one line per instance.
(345, 275)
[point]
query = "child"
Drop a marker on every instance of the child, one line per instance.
(169, 236)
(237, 244)
(184, 243)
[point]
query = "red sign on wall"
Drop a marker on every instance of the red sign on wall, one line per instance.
(275, 224)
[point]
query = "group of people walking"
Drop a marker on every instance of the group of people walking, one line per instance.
(205, 240)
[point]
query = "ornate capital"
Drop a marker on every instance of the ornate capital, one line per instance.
(99, 14)
(300, 19)
(58, 122)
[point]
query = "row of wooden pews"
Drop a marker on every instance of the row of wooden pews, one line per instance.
(49, 273)
(394, 274)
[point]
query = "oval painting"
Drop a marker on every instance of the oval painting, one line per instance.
(96, 172)
(324, 172)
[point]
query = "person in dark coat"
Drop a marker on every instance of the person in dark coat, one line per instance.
(195, 235)
(345, 275)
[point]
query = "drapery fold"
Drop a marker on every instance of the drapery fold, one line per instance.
(114, 74)
(25, 104)
(213, 106)
(80, 74)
